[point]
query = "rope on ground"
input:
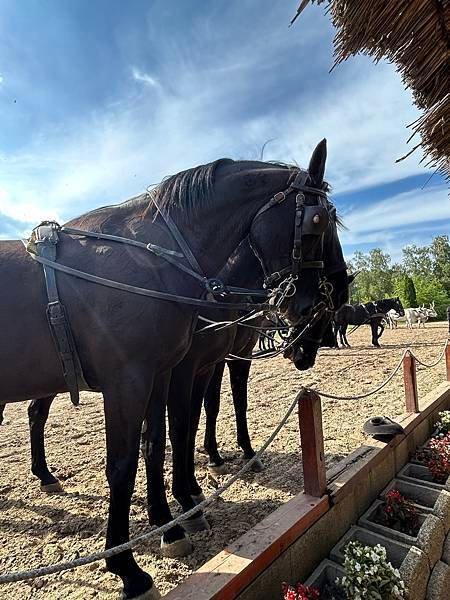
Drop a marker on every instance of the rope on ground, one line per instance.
(85, 560)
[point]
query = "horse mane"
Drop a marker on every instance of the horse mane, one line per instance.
(186, 190)
(190, 189)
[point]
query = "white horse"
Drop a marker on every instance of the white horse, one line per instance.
(419, 315)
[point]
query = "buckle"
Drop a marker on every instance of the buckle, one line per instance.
(215, 286)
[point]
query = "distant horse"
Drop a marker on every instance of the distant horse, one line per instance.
(127, 342)
(419, 315)
(372, 313)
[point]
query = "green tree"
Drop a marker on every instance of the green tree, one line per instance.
(428, 290)
(440, 254)
(406, 291)
(417, 261)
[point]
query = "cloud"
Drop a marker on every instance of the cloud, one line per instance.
(223, 94)
(410, 217)
(144, 78)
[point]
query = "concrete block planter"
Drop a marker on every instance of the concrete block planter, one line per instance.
(430, 538)
(419, 474)
(409, 560)
(327, 572)
(426, 499)
(439, 584)
(446, 550)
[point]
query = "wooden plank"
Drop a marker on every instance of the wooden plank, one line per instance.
(410, 383)
(233, 569)
(311, 437)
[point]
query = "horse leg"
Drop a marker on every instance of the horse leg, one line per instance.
(201, 384)
(344, 335)
(2, 408)
(174, 542)
(179, 409)
(212, 406)
(374, 327)
(37, 418)
(125, 401)
(239, 374)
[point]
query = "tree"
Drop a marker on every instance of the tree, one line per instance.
(406, 291)
(440, 255)
(428, 290)
(417, 260)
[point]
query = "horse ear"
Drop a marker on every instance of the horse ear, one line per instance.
(316, 167)
(351, 278)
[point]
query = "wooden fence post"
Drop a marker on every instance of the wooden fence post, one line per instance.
(447, 359)
(311, 436)
(410, 383)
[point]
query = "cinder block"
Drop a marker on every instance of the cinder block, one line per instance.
(327, 572)
(430, 538)
(439, 584)
(420, 475)
(411, 562)
(427, 499)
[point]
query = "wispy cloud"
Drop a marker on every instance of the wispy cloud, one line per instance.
(144, 78)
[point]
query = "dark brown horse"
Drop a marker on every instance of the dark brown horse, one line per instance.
(127, 342)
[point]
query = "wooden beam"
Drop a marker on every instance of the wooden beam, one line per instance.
(410, 383)
(233, 569)
(311, 437)
(447, 358)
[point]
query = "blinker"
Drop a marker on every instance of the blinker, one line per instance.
(315, 220)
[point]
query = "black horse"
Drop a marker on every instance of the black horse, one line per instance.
(372, 313)
(127, 342)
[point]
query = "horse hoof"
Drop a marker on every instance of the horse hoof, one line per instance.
(52, 488)
(196, 525)
(176, 549)
(197, 498)
(257, 466)
(151, 594)
(218, 469)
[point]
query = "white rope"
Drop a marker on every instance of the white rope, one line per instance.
(85, 560)
(438, 360)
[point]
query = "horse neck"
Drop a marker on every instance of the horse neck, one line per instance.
(242, 268)
(220, 226)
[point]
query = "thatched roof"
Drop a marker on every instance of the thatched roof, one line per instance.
(415, 36)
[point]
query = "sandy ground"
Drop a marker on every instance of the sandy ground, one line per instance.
(39, 529)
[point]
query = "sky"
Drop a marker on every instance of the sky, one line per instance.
(100, 99)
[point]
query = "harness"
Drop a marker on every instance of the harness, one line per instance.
(42, 247)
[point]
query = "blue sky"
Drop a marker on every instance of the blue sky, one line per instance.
(100, 99)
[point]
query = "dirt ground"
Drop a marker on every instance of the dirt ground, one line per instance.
(39, 529)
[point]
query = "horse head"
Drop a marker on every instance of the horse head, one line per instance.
(297, 243)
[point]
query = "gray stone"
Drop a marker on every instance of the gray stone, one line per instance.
(439, 583)
(415, 573)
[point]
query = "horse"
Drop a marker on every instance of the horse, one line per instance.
(360, 314)
(419, 315)
(127, 339)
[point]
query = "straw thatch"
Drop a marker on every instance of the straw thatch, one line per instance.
(414, 35)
